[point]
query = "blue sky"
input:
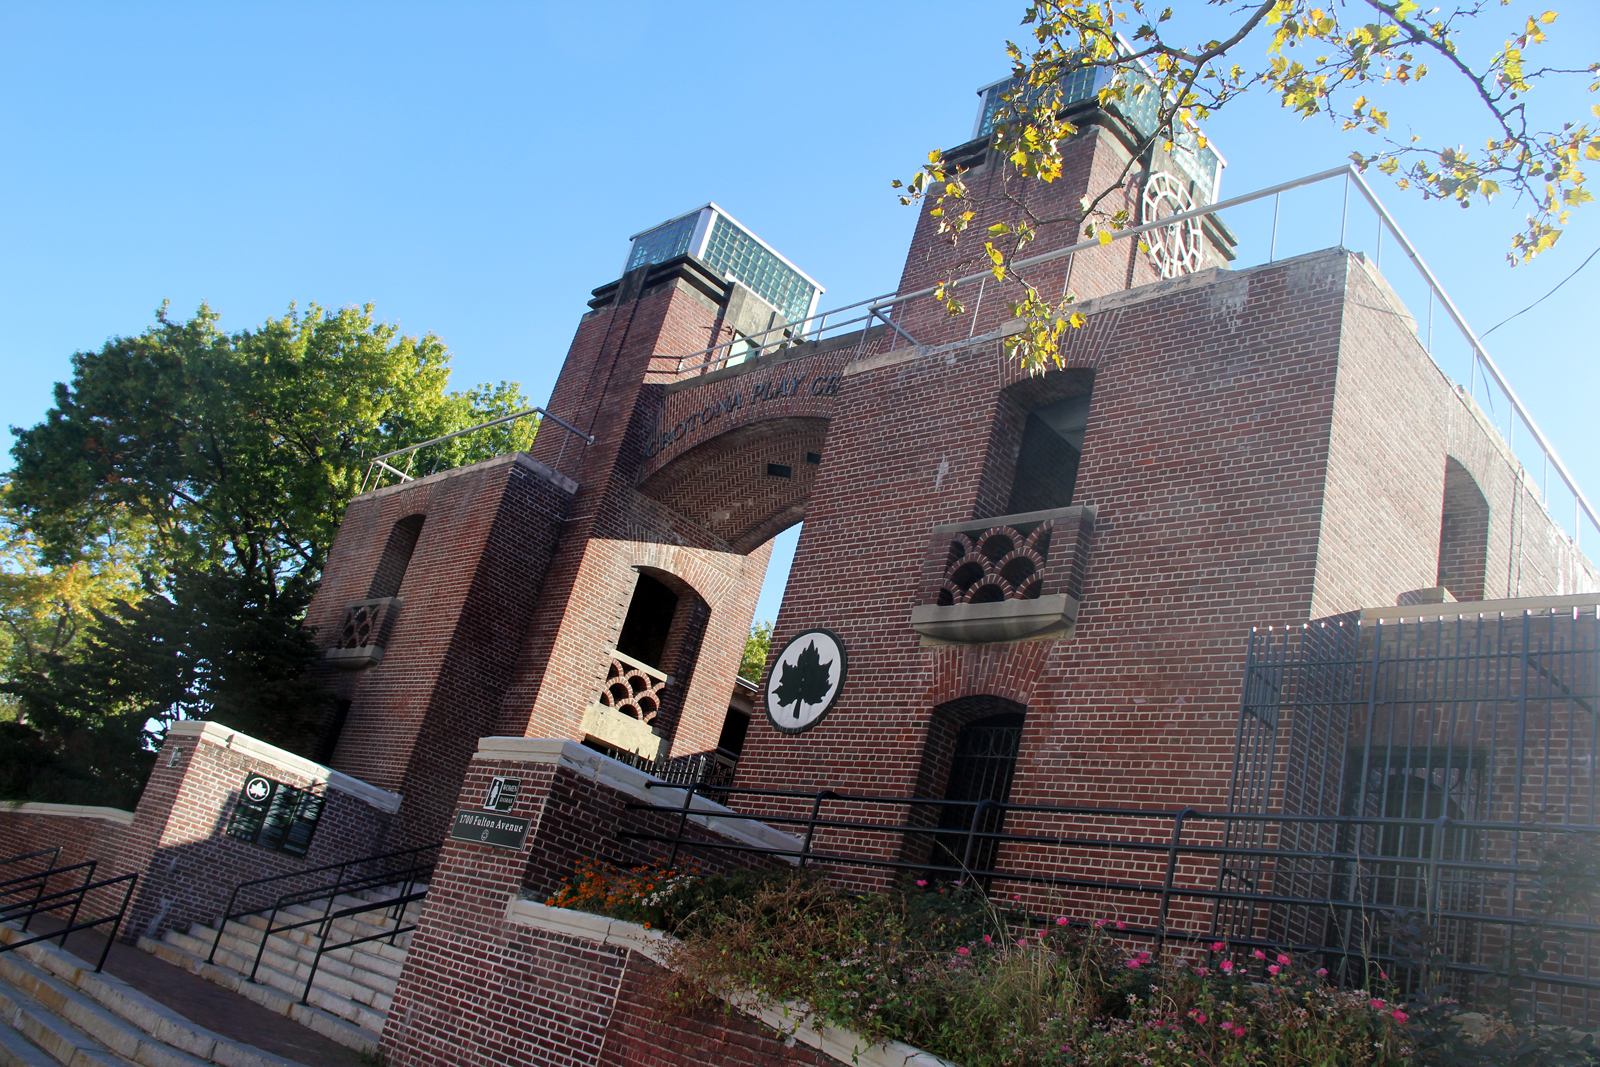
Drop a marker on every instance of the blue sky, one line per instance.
(475, 169)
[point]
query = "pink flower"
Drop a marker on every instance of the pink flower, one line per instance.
(987, 939)
(1218, 946)
(963, 951)
(1322, 972)
(1274, 969)
(1135, 964)
(1258, 954)
(1198, 1016)
(1283, 959)
(1227, 966)
(922, 881)
(1398, 1016)
(1377, 1004)
(1098, 923)
(1120, 926)
(1061, 920)
(1022, 942)
(1202, 971)
(1016, 896)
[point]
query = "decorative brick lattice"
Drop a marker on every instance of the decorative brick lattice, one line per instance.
(367, 622)
(633, 688)
(990, 564)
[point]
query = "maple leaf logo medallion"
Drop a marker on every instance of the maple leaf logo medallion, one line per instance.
(805, 680)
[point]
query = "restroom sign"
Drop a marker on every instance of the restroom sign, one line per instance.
(805, 680)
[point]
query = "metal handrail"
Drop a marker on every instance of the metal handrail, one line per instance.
(77, 895)
(405, 475)
(1171, 845)
(55, 854)
(229, 915)
(877, 307)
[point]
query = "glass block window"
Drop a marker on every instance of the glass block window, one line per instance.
(666, 241)
(1076, 87)
(738, 255)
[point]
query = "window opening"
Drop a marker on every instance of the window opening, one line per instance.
(396, 557)
(649, 621)
(1463, 534)
(1047, 463)
(734, 729)
(984, 763)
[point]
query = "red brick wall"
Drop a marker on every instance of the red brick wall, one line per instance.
(487, 537)
(179, 842)
(481, 992)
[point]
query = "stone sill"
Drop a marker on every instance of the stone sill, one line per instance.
(1052, 617)
(354, 659)
(67, 811)
(215, 734)
(1571, 602)
(792, 1019)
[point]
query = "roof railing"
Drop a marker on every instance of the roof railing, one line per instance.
(862, 313)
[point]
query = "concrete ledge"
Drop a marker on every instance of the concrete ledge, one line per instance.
(211, 733)
(68, 811)
(994, 623)
(621, 730)
(1483, 607)
(558, 751)
(792, 1017)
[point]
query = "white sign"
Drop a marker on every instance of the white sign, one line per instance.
(805, 680)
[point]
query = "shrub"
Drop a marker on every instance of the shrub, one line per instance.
(944, 968)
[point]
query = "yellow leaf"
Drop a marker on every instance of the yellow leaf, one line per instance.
(1077, 320)
(1105, 238)
(1548, 17)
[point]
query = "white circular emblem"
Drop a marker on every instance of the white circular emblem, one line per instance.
(1174, 249)
(257, 789)
(805, 680)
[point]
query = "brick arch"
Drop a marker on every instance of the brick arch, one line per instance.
(726, 484)
(999, 672)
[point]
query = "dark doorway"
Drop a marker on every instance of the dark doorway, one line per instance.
(649, 621)
(981, 768)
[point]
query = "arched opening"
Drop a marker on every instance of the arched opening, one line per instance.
(970, 760)
(1463, 534)
(652, 666)
(396, 557)
(747, 484)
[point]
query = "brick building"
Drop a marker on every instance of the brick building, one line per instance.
(1044, 586)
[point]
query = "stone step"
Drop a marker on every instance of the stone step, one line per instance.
(349, 1000)
(315, 1016)
(352, 979)
(60, 1041)
(348, 929)
(114, 1015)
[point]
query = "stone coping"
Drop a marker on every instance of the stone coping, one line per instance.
(68, 811)
(791, 1018)
(1483, 607)
(211, 733)
(615, 774)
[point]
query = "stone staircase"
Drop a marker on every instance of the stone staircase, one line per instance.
(58, 1012)
(350, 996)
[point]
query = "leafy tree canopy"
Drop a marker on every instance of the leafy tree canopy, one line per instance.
(755, 651)
(1341, 60)
(166, 524)
(239, 449)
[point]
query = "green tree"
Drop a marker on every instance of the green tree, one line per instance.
(755, 651)
(1344, 62)
(231, 455)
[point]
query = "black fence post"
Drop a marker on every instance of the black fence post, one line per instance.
(811, 824)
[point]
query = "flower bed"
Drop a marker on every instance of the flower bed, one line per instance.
(943, 968)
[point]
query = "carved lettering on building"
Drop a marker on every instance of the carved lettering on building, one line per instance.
(821, 385)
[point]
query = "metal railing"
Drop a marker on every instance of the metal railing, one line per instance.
(1186, 887)
(70, 900)
(380, 465)
(884, 307)
(413, 871)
